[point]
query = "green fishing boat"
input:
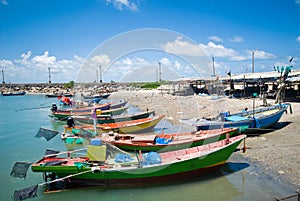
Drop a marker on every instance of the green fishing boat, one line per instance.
(102, 166)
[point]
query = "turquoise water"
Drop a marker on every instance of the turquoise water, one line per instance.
(20, 119)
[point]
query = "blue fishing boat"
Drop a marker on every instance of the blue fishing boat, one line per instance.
(246, 121)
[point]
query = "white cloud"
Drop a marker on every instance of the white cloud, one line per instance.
(28, 69)
(237, 39)
(215, 38)
(43, 60)
(124, 4)
(102, 59)
(218, 50)
(180, 47)
(298, 38)
(165, 62)
(297, 2)
(259, 54)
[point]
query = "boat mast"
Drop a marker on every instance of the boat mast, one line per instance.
(49, 75)
(3, 82)
(100, 72)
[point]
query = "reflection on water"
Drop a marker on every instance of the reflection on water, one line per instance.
(212, 187)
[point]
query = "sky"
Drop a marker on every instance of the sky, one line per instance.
(144, 40)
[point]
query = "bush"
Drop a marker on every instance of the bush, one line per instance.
(69, 85)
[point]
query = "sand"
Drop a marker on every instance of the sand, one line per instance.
(278, 152)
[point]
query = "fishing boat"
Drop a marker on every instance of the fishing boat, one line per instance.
(63, 115)
(104, 106)
(101, 119)
(132, 126)
(106, 166)
(172, 141)
(57, 95)
(102, 96)
(13, 93)
(248, 121)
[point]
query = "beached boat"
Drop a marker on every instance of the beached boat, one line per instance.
(62, 115)
(173, 141)
(132, 126)
(248, 121)
(152, 142)
(104, 166)
(102, 119)
(13, 93)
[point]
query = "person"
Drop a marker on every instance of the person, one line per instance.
(54, 107)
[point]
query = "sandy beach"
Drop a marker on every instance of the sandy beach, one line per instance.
(277, 152)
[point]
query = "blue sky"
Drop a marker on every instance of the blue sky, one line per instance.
(63, 34)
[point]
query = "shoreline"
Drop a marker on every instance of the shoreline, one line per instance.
(277, 152)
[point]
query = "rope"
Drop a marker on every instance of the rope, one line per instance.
(66, 177)
(65, 152)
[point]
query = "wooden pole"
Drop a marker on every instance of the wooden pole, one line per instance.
(3, 82)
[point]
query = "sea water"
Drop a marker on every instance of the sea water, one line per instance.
(22, 116)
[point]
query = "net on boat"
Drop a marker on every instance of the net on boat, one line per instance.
(20, 169)
(51, 153)
(46, 133)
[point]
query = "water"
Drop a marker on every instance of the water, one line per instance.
(20, 120)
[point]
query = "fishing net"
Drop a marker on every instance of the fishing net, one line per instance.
(25, 193)
(20, 169)
(51, 153)
(46, 133)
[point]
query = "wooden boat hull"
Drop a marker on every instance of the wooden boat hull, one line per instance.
(196, 140)
(14, 94)
(132, 126)
(112, 119)
(57, 95)
(65, 115)
(175, 165)
(264, 118)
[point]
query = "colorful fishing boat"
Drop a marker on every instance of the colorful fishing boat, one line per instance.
(62, 115)
(173, 141)
(101, 119)
(103, 166)
(132, 126)
(248, 121)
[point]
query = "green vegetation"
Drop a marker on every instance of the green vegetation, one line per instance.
(147, 85)
(69, 85)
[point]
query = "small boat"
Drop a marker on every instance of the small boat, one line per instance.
(62, 115)
(247, 121)
(132, 126)
(86, 109)
(102, 119)
(101, 96)
(106, 165)
(58, 95)
(13, 93)
(173, 141)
